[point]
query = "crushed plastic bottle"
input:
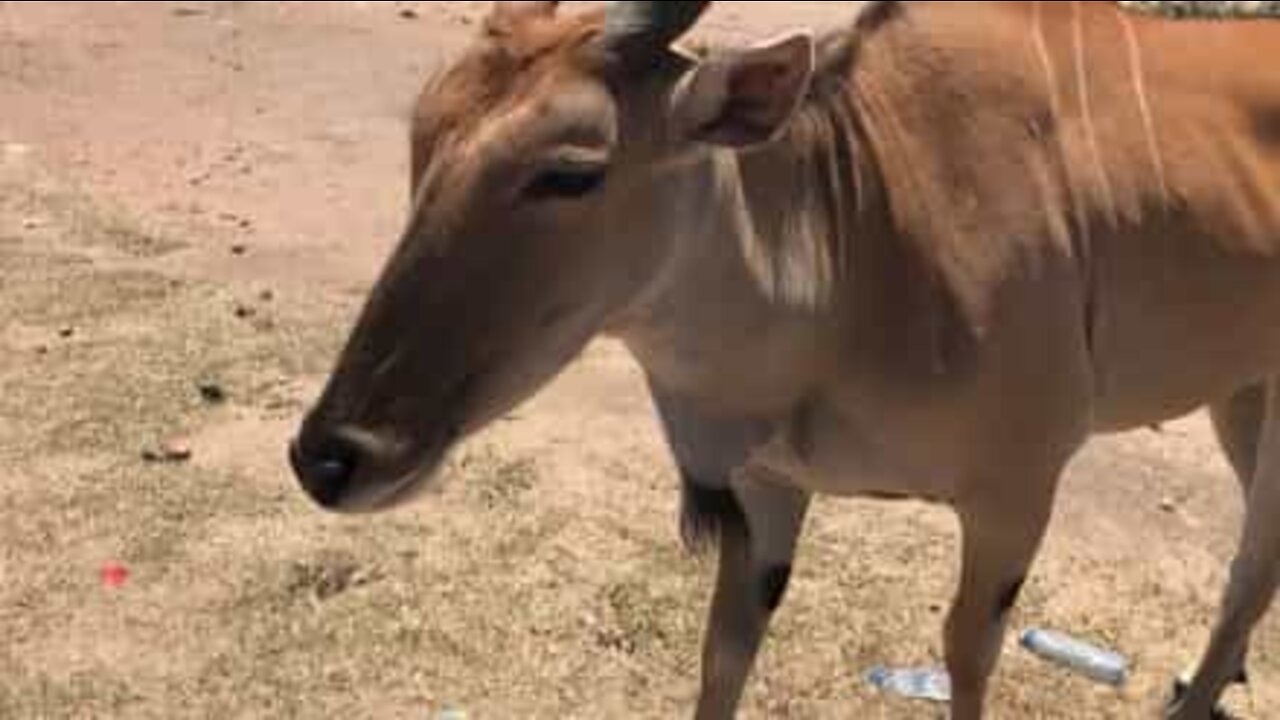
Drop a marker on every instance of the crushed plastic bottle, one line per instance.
(932, 684)
(1089, 660)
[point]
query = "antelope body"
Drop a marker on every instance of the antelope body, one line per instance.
(927, 254)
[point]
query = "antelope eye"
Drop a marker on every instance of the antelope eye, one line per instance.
(565, 183)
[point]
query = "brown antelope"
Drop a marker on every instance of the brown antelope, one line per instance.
(925, 255)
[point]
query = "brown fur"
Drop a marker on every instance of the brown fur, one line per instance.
(495, 75)
(990, 231)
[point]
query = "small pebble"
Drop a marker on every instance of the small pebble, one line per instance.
(1169, 505)
(244, 312)
(267, 296)
(66, 333)
(408, 14)
(32, 224)
(178, 451)
(16, 150)
(212, 393)
(239, 249)
(172, 451)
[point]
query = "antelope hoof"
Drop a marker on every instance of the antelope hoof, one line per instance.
(1180, 689)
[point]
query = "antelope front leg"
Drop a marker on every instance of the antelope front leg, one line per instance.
(755, 566)
(1002, 531)
(756, 522)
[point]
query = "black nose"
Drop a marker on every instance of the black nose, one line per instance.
(327, 471)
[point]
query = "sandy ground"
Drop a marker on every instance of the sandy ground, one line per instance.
(196, 194)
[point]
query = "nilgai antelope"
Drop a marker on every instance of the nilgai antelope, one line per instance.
(925, 255)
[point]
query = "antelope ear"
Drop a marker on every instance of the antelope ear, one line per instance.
(745, 97)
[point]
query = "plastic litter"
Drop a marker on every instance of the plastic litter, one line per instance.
(114, 575)
(932, 684)
(1091, 661)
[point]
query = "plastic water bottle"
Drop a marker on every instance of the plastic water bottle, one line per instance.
(915, 683)
(1091, 661)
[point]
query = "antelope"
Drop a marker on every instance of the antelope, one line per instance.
(927, 255)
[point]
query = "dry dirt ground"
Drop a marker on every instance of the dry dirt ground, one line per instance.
(198, 193)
